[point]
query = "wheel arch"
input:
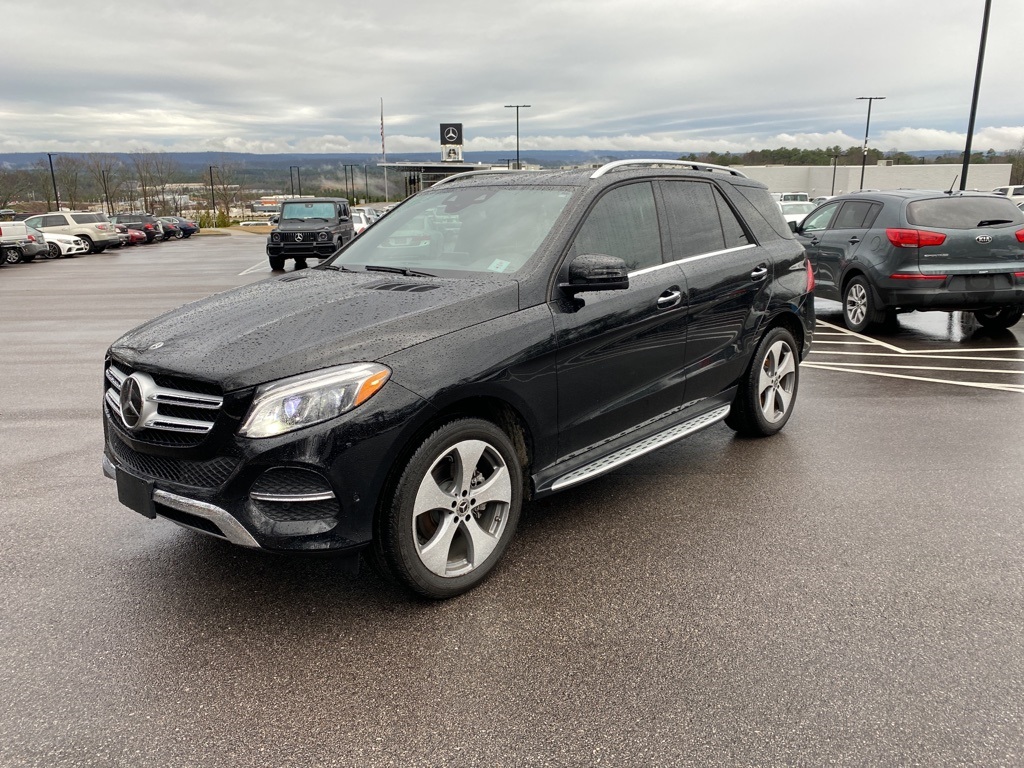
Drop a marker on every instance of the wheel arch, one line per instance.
(499, 412)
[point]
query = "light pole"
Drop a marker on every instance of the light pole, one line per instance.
(867, 127)
(974, 98)
(291, 178)
(517, 107)
(213, 200)
(298, 175)
(835, 162)
(53, 178)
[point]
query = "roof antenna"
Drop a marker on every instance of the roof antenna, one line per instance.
(950, 190)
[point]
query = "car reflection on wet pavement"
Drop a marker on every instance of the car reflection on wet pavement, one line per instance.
(940, 348)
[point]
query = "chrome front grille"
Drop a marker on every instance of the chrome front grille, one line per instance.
(161, 408)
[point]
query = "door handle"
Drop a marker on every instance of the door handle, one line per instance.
(814, 241)
(670, 298)
(759, 274)
(854, 240)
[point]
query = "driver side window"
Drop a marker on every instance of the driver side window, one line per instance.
(820, 220)
(624, 223)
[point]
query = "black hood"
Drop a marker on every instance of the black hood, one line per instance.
(303, 322)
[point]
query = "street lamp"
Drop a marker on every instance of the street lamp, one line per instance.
(53, 178)
(867, 127)
(974, 98)
(517, 107)
(106, 191)
(213, 200)
(298, 175)
(835, 162)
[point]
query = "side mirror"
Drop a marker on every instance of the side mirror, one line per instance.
(596, 272)
(793, 226)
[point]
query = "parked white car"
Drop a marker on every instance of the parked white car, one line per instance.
(65, 245)
(360, 220)
(796, 211)
(1015, 193)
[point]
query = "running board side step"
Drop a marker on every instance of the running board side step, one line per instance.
(630, 452)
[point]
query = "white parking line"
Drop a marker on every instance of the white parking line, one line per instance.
(825, 350)
(258, 267)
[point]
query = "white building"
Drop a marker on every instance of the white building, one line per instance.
(817, 180)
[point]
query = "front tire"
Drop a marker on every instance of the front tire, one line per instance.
(453, 510)
(859, 310)
(54, 251)
(276, 263)
(767, 393)
(999, 319)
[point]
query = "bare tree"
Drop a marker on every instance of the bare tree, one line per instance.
(108, 175)
(165, 171)
(1017, 164)
(14, 185)
(69, 171)
(145, 176)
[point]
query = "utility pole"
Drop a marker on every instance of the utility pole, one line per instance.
(974, 98)
(867, 128)
(53, 178)
(517, 107)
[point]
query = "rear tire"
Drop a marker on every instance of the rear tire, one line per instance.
(767, 392)
(13, 255)
(999, 319)
(859, 310)
(276, 263)
(89, 243)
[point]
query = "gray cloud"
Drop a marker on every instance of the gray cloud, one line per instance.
(599, 74)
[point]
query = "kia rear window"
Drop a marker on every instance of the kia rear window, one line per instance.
(963, 212)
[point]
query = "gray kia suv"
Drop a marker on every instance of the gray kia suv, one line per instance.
(880, 253)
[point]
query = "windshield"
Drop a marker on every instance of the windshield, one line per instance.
(303, 211)
(472, 229)
(963, 212)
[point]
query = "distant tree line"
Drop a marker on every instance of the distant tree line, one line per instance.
(853, 156)
(155, 182)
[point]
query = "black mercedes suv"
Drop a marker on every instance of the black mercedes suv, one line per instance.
(309, 227)
(881, 253)
(494, 339)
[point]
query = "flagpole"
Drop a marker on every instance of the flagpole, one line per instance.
(383, 149)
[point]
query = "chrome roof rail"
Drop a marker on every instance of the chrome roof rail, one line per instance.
(692, 165)
(484, 172)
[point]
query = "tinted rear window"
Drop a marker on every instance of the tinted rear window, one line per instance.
(963, 212)
(87, 218)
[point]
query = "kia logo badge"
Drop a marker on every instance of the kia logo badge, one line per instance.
(983, 239)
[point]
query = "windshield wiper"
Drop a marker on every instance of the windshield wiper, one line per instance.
(398, 271)
(335, 267)
(990, 222)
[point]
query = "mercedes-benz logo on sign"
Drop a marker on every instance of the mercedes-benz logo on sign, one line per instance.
(983, 239)
(298, 237)
(136, 407)
(451, 135)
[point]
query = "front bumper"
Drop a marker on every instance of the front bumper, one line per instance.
(314, 489)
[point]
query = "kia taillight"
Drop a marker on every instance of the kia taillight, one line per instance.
(1020, 235)
(914, 238)
(810, 276)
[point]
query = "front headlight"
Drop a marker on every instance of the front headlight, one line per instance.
(300, 401)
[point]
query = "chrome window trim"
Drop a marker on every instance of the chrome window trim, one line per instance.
(698, 257)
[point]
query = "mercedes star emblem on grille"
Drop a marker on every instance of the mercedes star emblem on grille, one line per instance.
(138, 407)
(131, 402)
(298, 237)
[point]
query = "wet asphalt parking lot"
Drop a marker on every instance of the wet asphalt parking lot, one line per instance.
(848, 592)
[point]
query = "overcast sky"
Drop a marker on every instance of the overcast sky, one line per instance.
(686, 75)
